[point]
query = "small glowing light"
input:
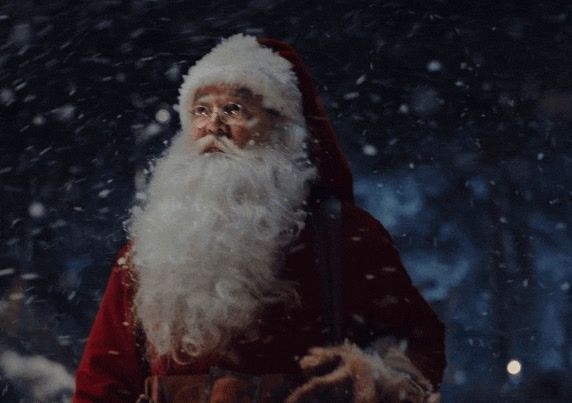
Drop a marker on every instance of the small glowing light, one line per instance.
(514, 367)
(162, 116)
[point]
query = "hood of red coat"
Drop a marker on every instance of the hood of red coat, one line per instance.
(335, 178)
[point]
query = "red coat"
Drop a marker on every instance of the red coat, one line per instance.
(378, 298)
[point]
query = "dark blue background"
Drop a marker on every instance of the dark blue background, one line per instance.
(456, 118)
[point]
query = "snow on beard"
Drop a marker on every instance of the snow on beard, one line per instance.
(209, 241)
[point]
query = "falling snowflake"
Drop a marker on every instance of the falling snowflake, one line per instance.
(369, 150)
(36, 210)
(434, 66)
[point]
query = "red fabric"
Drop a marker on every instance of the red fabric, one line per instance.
(378, 299)
(333, 168)
(111, 368)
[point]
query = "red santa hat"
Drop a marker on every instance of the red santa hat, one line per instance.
(272, 68)
(240, 60)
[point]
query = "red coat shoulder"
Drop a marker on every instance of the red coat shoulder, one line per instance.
(112, 368)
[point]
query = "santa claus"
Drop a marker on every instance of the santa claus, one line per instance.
(249, 267)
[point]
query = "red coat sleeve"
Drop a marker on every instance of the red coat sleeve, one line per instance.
(112, 368)
(385, 299)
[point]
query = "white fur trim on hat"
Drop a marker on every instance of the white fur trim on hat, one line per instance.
(241, 60)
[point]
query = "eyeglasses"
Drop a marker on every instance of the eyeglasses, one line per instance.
(230, 114)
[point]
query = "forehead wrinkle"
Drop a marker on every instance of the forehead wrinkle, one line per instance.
(210, 98)
(243, 92)
(204, 98)
(215, 91)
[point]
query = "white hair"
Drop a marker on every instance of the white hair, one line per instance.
(208, 244)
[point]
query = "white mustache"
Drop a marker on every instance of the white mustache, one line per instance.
(224, 144)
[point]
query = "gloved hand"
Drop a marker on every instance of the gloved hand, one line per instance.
(345, 373)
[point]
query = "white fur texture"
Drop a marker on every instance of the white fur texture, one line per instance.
(208, 244)
(240, 60)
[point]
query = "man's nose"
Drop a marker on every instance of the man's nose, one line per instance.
(217, 127)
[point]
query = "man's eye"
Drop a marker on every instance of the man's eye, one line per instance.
(200, 111)
(232, 109)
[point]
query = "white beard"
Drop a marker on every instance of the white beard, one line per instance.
(208, 244)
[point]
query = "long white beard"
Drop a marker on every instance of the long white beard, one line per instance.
(208, 244)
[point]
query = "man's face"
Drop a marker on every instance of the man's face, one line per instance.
(232, 112)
